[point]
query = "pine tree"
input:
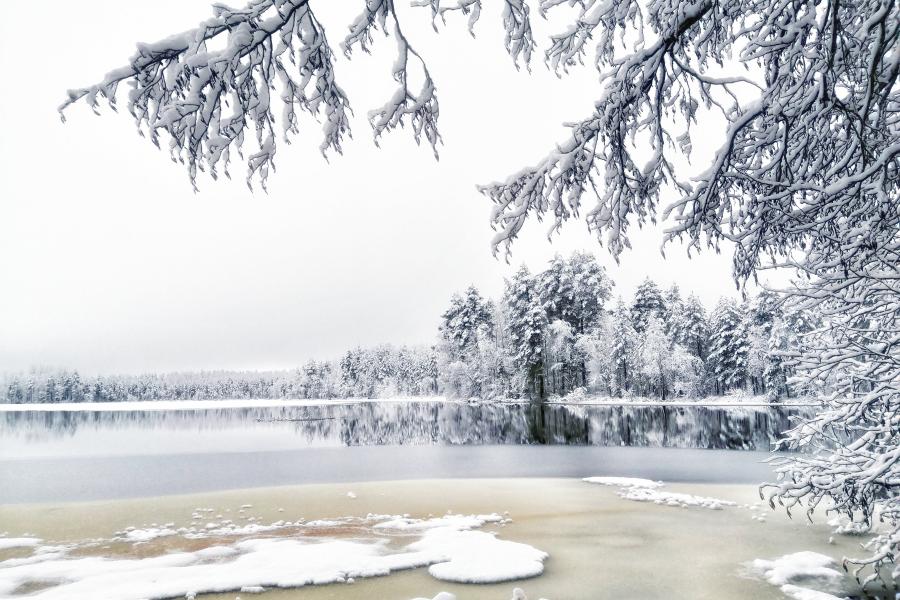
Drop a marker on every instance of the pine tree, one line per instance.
(624, 348)
(460, 322)
(526, 323)
(729, 346)
(777, 369)
(591, 289)
(655, 352)
(556, 290)
(648, 302)
(574, 292)
(695, 328)
(766, 368)
(673, 315)
(765, 309)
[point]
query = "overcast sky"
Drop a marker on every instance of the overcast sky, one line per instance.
(110, 263)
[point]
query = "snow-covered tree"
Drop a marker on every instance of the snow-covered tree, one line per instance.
(655, 358)
(460, 323)
(556, 288)
(687, 373)
(563, 369)
(729, 346)
(572, 291)
(695, 327)
(673, 314)
(758, 347)
(526, 323)
(777, 371)
(765, 309)
(624, 349)
(596, 351)
(473, 360)
(648, 304)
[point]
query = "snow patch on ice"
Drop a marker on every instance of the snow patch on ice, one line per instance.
(447, 545)
(144, 535)
(40, 554)
(19, 542)
(478, 556)
(517, 594)
(844, 526)
(646, 490)
(460, 522)
(803, 575)
(673, 498)
(325, 523)
(801, 593)
(624, 482)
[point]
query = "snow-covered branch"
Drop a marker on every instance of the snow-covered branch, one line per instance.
(254, 69)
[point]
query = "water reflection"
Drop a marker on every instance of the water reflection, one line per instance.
(393, 423)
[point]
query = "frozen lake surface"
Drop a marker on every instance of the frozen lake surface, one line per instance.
(405, 498)
(48, 456)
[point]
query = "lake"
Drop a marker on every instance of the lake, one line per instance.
(395, 500)
(98, 454)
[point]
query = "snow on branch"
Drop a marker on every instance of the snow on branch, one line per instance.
(515, 18)
(254, 69)
(420, 106)
(641, 91)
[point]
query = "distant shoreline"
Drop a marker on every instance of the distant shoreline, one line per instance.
(140, 405)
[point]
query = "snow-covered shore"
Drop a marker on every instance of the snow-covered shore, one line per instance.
(202, 404)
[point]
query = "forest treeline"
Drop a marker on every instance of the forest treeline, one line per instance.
(552, 333)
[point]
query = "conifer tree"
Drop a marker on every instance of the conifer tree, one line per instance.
(461, 322)
(673, 315)
(526, 323)
(648, 303)
(624, 348)
(729, 346)
(696, 327)
(591, 289)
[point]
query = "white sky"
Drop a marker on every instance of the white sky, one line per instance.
(110, 262)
